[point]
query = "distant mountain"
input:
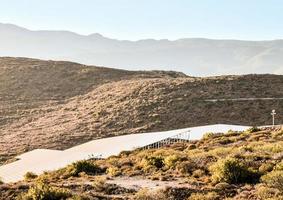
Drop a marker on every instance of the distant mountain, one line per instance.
(198, 57)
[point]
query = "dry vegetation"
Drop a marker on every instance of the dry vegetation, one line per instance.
(49, 104)
(233, 165)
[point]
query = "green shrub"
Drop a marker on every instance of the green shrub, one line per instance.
(146, 194)
(113, 171)
(191, 146)
(268, 193)
(124, 153)
(265, 168)
(43, 191)
(198, 173)
(222, 151)
(246, 149)
(277, 134)
(271, 147)
(79, 197)
(30, 176)
(253, 130)
(207, 135)
(232, 133)
(186, 167)
(155, 161)
(170, 161)
(222, 186)
(99, 184)
(279, 166)
(233, 171)
(200, 196)
(224, 140)
(83, 166)
(274, 179)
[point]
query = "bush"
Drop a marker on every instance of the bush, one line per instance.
(279, 167)
(200, 196)
(274, 179)
(30, 176)
(146, 194)
(207, 135)
(186, 167)
(124, 153)
(191, 146)
(267, 193)
(170, 161)
(277, 134)
(232, 171)
(42, 191)
(265, 168)
(83, 166)
(198, 173)
(222, 186)
(271, 147)
(113, 171)
(99, 184)
(224, 140)
(157, 161)
(79, 197)
(253, 130)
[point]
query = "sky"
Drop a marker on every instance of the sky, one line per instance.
(157, 19)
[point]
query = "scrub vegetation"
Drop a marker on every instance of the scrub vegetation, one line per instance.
(233, 165)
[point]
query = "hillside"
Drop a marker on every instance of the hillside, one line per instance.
(48, 104)
(194, 56)
(31, 88)
(233, 165)
(27, 84)
(56, 105)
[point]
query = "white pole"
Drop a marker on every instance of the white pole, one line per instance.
(273, 113)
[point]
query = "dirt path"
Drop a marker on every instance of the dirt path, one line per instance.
(140, 182)
(243, 99)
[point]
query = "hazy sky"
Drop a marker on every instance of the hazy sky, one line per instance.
(138, 19)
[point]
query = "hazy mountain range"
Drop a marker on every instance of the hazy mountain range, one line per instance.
(198, 57)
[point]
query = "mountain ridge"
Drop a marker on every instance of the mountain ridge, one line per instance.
(196, 56)
(142, 39)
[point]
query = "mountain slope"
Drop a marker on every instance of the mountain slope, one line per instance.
(199, 57)
(31, 88)
(141, 102)
(30, 82)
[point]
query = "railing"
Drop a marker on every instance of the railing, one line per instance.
(180, 137)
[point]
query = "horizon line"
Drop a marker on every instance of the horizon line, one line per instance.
(138, 40)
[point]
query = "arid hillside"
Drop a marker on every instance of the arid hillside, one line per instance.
(48, 104)
(29, 83)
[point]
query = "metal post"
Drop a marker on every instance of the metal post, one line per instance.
(273, 113)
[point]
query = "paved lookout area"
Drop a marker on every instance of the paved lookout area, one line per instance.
(40, 160)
